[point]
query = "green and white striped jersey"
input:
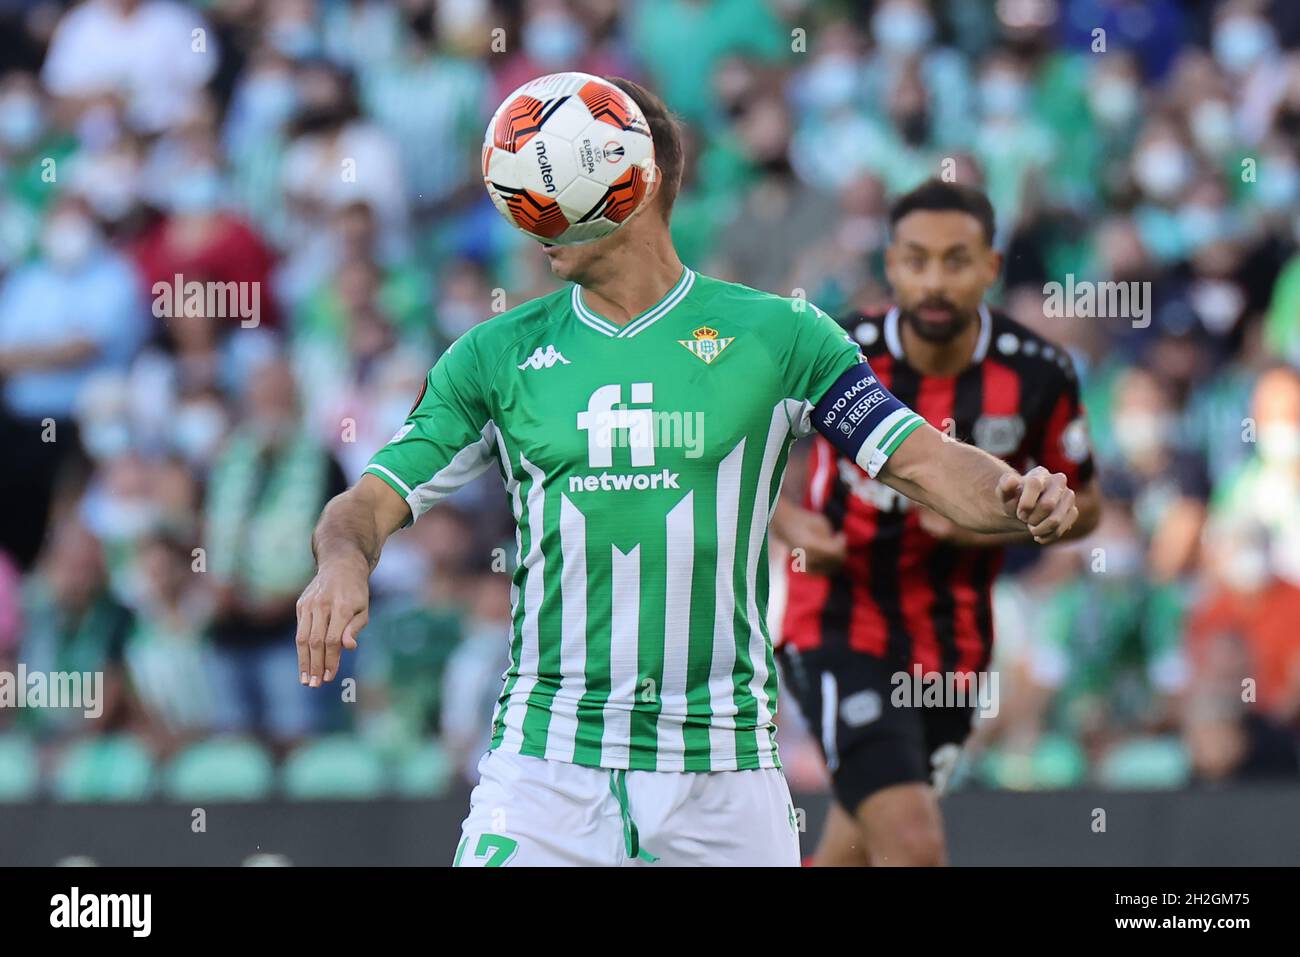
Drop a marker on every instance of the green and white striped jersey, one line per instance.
(642, 464)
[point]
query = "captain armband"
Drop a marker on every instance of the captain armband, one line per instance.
(863, 419)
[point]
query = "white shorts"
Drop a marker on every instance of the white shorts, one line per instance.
(531, 812)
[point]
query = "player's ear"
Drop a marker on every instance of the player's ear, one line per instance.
(651, 192)
(653, 183)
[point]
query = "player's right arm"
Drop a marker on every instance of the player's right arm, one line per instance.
(335, 606)
(448, 440)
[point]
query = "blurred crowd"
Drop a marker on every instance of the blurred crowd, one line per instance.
(167, 453)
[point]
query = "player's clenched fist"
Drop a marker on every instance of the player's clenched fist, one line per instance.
(1042, 500)
(331, 611)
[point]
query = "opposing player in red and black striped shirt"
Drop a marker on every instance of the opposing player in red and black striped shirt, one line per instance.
(886, 585)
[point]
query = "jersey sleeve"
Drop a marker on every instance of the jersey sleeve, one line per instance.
(1065, 446)
(820, 352)
(449, 438)
(842, 398)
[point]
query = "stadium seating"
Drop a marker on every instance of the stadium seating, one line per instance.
(1054, 762)
(225, 769)
(114, 768)
(18, 768)
(424, 771)
(335, 767)
(1146, 764)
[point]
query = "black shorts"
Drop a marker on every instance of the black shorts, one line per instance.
(869, 743)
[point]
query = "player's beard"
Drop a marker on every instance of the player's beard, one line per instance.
(942, 331)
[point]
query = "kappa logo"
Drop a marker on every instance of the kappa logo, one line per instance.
(543, 358)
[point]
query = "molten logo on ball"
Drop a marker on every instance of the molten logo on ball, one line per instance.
(547, 178)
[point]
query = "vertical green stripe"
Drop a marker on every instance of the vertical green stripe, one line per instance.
(695, 735)
(537, 718)
(764, 585)
(650, 648)
(591, 723)
(512, 671)
(770, 685)
(743, 672)
(516, 643)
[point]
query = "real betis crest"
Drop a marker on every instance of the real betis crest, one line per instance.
(706, 345)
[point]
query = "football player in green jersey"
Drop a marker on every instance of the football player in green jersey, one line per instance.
(641, 419)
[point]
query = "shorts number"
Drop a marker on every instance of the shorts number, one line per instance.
(493, 849)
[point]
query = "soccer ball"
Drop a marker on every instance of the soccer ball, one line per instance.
(567, 158)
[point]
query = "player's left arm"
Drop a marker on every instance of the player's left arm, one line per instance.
(1062, 446)
(1086, 499)
(964, 484)
(977, 491)
(866, 422)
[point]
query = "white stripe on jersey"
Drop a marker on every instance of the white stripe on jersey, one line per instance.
(680, 561)
(465, 466)
(777, 432)
(624, 633)
(534, 587)
(380, 470)
(590, 318)
(673, 298)
(801, 423)
(722, 689)
(637, 323)
(512, 492)
(561, 738)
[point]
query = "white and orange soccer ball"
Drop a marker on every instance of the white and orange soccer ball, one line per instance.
(568, 158)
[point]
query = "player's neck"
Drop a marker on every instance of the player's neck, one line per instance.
(940, 358)
(633, 278)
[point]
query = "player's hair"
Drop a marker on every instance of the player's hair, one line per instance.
(935, 195)
(667, 136)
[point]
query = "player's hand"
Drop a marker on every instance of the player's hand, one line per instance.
(331, 611)
(823, 548)
(1041, 500)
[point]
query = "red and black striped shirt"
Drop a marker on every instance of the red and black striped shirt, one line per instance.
(903, 595)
